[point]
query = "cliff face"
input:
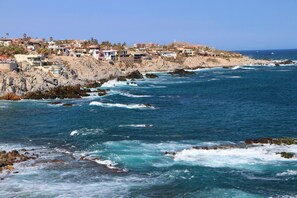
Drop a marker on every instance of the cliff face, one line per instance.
(85, 69)
(160, 64)
(76, 71)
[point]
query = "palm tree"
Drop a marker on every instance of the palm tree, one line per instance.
(51, 39)
(6, 34)
(24, 35)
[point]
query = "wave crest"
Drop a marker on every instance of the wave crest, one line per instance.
(127, 106)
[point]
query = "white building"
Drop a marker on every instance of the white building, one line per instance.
(5, 42)
(110, 54)
(169, 55)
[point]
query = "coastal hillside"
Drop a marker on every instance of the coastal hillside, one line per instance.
(80, 71)
(34, 65)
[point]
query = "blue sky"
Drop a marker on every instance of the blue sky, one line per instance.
(224, 24)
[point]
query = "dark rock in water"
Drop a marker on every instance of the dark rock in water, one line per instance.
(181, 72)
(151, 76)
(56, 161)
(67, 105)
(259, 141)
(218, 147)
(101, 92)
(93, 85)
(277, 141)
(122, 78)
(148, 105)
(170, 153)
(55, 103)
(135, 75)
(287, 155)
(287, 62)
(7, 159)
(58, 92)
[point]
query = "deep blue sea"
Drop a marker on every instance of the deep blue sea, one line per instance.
(126, 140)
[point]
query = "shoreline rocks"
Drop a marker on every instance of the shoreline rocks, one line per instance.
(250, 143)
(151, 76)
(181, 72)
(8, 159)
(58, 92)
(134, 75)
(276, 141)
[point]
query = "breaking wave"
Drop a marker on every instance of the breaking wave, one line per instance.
(137, 125)
(235, 157)
(86, 131)
(127, 106)
(287, 173)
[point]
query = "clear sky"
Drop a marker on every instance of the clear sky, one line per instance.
(224, 24)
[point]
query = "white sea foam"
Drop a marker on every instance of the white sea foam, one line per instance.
(108, 163)
(113, 83)
(287, 173)
(244, 67)
(126, 94)
(235, 157)
(127, 106)
(234, 77)
(85, 131)
(137, 125)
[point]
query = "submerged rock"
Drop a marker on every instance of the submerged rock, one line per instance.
(101, 92)
(55, 103)
(68, 105)
(181, 72)
(151, 76)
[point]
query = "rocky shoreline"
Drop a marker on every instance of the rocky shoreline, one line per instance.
(9, 158)
(249, 143)
(86, 72)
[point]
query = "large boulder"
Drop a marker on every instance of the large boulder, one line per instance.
(181, 72)
(151, 76)
(135, 75)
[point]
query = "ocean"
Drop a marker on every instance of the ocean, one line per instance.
(126, 133)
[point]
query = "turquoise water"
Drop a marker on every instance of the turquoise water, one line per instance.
(212, 107)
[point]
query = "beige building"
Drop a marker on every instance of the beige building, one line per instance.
(39, 62)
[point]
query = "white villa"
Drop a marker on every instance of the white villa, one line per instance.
(110, 54)
(169, 54)
(5, 42)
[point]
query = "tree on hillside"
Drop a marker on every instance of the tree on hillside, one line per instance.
(6, 34)
(51, 39)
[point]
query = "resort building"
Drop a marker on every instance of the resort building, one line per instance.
(5, 42)
(34, 44)
(39, 62)
(110, 54)
(169, 54)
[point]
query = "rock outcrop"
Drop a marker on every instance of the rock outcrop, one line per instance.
(151, 76)
(7, 159)
(181, 72)
(76, 71)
